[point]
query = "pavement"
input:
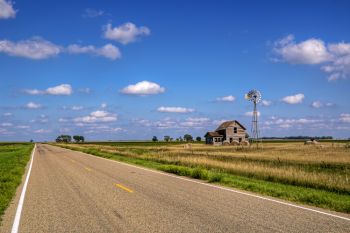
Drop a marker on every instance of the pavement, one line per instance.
(71, 191)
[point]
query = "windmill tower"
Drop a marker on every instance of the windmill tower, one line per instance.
(255, 97)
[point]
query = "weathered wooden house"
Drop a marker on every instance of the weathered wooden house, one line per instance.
(227, 132)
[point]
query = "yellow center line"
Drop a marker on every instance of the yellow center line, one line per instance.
(125, 188)
(88, 169)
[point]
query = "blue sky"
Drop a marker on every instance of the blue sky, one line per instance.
(113, 70)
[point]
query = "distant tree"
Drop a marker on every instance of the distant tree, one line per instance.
(76, 138)
(31, 140)
(155, 139)
(64, 138)
(188, 138)
(167, 138)
(171, 139)
(180, 139)
(198, 139)
(82, 139)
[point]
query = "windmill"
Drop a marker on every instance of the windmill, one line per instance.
(255, 97)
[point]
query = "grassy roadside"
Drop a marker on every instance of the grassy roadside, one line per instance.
(13, 160)
(337, 201)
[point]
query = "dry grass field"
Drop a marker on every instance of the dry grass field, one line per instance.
(324, 167)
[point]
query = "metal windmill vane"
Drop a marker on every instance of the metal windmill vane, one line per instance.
(255, 97)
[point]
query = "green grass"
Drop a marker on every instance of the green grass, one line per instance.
(333, 200)
(13, 160)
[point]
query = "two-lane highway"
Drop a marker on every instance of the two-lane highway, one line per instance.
(73, 192)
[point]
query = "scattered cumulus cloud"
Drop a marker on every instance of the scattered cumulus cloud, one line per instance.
(97, 116)
(6, 124)
(345, 117)
(319, 104)
(40, 131)
(32, 105)
(250, 114)
(143, 88)
(103, 105)
(175, 109)
(108, 51)
(63, 89)
(38, 49)
(6, 9)
(229, 98)
(92, 13)
(7, 114)
(266, 103)
(294, 99)
(125, 33)
(311, 51)
(35, 48)
(85, 90)
(334, 58)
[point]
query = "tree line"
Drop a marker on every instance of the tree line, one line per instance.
(186, 138)
(68, 138)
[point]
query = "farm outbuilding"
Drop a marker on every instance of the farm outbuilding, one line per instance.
(227, 132)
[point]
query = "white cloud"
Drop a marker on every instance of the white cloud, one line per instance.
(92, 13)
(85, 90)
(42, 131)
(77, 108)
(294, 99)
(335, 57)
(311, 51)
(23, 127)
(143, 88)
(175, 109)
(317, 104)
(63, 89)
(6, 124)
(62, 120)
(38, 48)
(345, 117)
(251, 114)
(229, 98)
(97, 116)
(6, 10)
(35, 48)
(108, 51)
(103, 105)
(32, 105)
(195, 122)
(125, 33)
(266, 103)
(7, 114)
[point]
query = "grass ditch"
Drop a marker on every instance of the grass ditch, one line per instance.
(333, 200)
(13, 160)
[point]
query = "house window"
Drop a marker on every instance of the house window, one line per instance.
(235, 130)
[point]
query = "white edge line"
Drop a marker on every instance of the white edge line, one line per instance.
(218, 187)
(17, 220)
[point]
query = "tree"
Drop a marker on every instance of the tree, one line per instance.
(167, 138)
(198, 139)
(188, 138)
(76, 138)
(31, 140)
(155, 139)
(64, 138)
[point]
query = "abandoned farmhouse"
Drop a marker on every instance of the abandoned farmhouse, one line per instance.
(227, 133)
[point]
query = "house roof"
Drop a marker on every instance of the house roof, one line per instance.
(226, 124)
(212, 134)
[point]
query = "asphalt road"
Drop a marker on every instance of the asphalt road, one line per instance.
(73, 192)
